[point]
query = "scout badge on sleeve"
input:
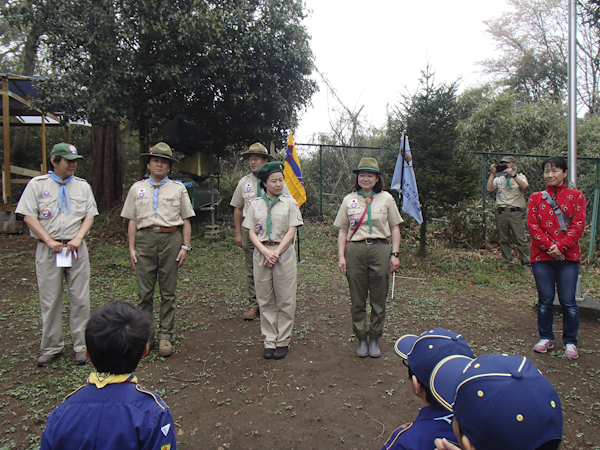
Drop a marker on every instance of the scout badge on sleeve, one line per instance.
(259, 226)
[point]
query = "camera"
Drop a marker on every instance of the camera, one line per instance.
(501, 167)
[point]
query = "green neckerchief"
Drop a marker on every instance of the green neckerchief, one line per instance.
(368, 200)
(508, 180)
(258, 189)
(269, 206)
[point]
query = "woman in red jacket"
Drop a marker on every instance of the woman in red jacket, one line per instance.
(556, 221)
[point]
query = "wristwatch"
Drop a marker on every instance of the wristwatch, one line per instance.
(186, 247)
(396, 254)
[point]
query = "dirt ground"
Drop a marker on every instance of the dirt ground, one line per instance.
(224, 395)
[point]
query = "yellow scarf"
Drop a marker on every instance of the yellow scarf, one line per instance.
(101, 379)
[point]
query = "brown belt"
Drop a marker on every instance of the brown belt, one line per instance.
(62, 241)
(370, 241)
(270, 243)
(161, 229)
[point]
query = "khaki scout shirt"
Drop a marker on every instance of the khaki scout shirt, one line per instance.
(40, 199)
(174, 205)
(384, 215)
(284, 214)
(509, 197)
(245, 192)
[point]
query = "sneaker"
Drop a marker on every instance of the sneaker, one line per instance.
(164, 347)
(571, 351)
(45, 360)
(81, 359)
(543, 346)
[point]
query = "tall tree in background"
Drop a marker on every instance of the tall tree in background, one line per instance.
(238, 68)
(444, 175)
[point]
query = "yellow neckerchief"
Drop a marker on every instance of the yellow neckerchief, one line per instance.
(101, 379)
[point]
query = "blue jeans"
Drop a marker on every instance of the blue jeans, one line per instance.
(563, 275)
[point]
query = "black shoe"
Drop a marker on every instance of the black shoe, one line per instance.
(268, 353)
(280, 352)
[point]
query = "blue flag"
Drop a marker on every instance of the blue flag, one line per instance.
(410, 194)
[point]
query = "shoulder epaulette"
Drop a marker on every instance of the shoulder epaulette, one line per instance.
(156, 398)
(80, 387)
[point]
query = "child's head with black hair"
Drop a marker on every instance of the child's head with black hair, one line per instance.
(117, 336)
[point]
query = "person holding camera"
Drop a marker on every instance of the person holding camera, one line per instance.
(511, 209)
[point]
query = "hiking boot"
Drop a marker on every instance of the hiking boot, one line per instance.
(251, 314)
(374, 351)
(280, 352)
(268, 353)
(45, 360)
(81, 359)
(543, 346)
(363, 348)
(164, 347)
(571, 351)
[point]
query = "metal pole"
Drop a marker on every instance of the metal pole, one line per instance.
(572, 78)
(402, 153)
(594, 214)
(483, 194)
(321, 177)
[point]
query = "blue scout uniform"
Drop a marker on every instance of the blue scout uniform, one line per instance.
(111, 412)
(432, 422)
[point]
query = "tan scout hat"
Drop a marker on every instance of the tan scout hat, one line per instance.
(257, 149)
(161, 150)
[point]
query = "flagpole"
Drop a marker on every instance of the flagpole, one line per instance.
(298, 234)
(402, 151)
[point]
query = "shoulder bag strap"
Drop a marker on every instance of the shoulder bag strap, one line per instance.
(563, 220)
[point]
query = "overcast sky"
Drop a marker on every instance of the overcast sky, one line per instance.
(372, 50)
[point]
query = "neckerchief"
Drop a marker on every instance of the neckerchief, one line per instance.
(101, 379)
(508, 181)
(156, 186)
(258, 188)
(368, 200)
(269, 206)
(63, 190)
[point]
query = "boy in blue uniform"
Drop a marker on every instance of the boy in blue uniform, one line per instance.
(112, 411)
(499, 402)
(421, 354)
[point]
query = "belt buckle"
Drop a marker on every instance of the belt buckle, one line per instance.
(369, 241)
(156, 229)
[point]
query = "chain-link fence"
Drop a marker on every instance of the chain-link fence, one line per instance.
(328, 177)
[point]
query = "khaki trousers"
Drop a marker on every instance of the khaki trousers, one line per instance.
(157, 259)
(368, 272)
(248, 248)
(276, 296)
(49, 279)
(515, 222)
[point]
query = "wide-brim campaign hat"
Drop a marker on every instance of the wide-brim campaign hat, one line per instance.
(508, 159)
(424, 352)
(267, 169)
(499, 401)
(161, 150)
(257, 149)
(368, 165)
(66, 151)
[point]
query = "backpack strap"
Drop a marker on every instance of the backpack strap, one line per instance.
(563, 220)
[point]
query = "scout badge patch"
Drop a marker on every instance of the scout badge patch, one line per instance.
(248, 187)
(141, 192)
(353, 203)
(47, 212)
(259, 226)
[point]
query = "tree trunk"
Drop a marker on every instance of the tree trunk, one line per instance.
(423, 235)
(108, 165)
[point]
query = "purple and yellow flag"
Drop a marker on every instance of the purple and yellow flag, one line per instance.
(293, 173)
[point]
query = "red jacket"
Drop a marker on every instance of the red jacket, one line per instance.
(544, 228)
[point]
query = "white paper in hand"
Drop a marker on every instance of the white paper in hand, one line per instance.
(64, 260)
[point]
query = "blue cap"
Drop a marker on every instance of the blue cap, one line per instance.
(424, 352)
(500, 401)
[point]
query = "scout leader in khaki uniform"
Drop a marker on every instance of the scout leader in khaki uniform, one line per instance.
(367, 217)
(511, 211)
(159, 234)
(59, 209)
(272, 220)
(248, 188)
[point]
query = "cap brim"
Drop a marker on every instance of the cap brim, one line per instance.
(247, 155)
(72, 157)
(367, 169)
(446, 377)
(159, 156)
(404, 345)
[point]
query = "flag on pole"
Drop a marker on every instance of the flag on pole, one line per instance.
(293, 173)
(404, 174)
